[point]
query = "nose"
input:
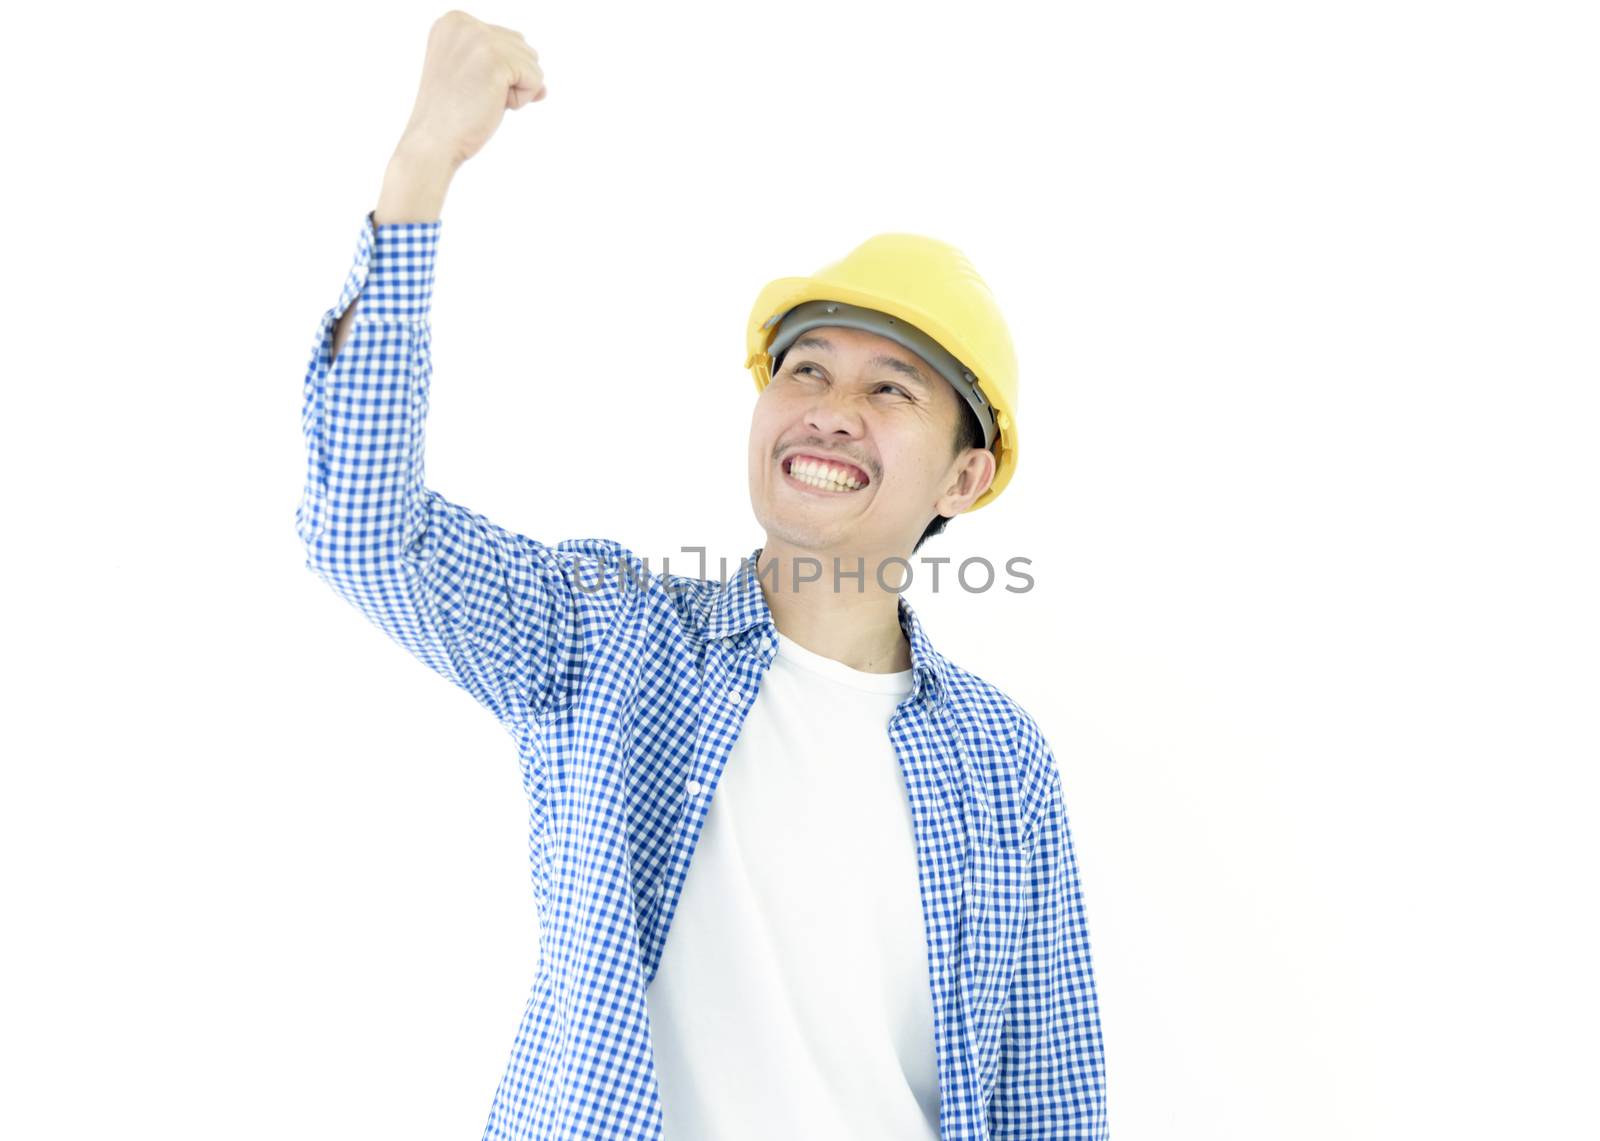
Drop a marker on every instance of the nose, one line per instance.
(830, 414)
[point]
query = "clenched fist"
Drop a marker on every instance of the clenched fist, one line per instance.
(472, 74)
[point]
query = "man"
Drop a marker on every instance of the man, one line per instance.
(798, 875)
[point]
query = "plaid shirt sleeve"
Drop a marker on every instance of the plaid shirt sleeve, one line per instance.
(1051, 1077)
(481, 606)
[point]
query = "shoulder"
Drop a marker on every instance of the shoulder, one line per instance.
(613, 592)
(689, 599)
(1008, 733)
(987, 707)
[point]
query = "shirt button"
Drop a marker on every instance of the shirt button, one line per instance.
(693, 787)
(766, 643)
(734, 697)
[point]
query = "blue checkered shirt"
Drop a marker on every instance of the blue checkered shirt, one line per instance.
(624, 688)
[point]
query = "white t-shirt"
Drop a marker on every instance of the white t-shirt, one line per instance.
(792, 999)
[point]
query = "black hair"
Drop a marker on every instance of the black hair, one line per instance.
(969, 434)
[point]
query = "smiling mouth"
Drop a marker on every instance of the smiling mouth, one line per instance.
(822, 475)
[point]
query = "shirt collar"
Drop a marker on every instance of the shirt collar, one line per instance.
(739, 606)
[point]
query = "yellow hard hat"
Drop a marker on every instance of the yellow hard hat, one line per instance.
(921, 293)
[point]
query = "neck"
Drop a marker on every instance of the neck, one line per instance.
(858, 627)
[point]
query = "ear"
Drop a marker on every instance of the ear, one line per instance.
(971, 474)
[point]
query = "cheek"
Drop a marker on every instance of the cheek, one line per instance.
(765, 426)
(918, 473)
(771, 417)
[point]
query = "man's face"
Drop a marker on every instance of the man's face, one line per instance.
(862, 406)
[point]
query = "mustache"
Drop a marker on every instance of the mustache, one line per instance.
(823, 449)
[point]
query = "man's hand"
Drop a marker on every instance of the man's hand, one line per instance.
(472, 74)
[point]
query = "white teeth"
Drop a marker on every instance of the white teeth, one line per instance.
(825, 484)
(823, 476)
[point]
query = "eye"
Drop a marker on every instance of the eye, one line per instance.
(800, 368)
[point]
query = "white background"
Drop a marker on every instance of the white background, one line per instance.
(1304, 298)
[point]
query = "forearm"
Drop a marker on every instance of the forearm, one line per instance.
(414, 188)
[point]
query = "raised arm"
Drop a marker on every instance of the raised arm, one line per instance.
(484, 607)
(472, 74)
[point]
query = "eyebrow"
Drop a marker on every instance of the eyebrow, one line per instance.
(812, 341)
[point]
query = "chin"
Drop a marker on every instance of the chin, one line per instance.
(797, 533)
